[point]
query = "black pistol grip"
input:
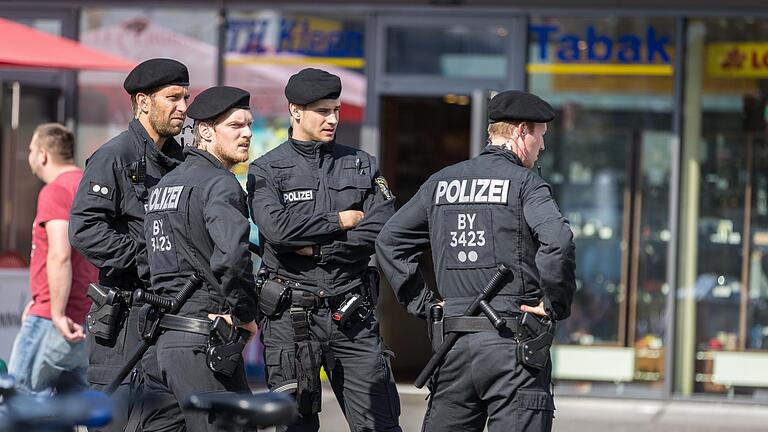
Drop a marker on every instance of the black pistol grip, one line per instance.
(497, 321)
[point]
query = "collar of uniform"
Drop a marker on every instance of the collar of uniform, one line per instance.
(308, 148)
(509, 154)
(196, 152)
(169, 157)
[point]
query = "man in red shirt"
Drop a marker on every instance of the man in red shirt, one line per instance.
(51, 339)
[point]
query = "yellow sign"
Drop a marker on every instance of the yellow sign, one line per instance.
(737, 60)
(600, 69)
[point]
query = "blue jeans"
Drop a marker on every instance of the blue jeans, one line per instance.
(40, 355)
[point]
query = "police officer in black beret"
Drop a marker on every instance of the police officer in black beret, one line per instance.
(197, 224)
(477, 215)
(319, 206)
(107, 216)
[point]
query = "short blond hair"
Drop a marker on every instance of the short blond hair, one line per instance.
(505, 128)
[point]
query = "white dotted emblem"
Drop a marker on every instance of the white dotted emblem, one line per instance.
(104, 190)
(96, 188)
(472, 256)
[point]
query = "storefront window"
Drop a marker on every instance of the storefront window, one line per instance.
(264, 48)
(190, 36)
(607, 158)
(457, 50)
(726, 166)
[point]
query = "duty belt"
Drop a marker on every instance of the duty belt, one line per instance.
(465, 324)
(186, 324)
(309, 300)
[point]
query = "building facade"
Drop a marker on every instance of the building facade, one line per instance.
(658, 155)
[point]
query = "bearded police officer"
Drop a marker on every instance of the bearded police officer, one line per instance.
(478, 215)
(319, 206)
(107, 215)
(197, 226)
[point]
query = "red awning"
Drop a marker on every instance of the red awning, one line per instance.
(22, 46)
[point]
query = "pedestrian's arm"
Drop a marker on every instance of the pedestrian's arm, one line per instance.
(556, 256)
(52, 214)
(93, 214)
(58, 266)
(226, 220)
(358, 243)
(280, 226)
(398, 248)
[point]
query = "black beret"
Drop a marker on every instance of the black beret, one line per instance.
(514, 105)
(215, 101)
(156, 72)
(310, 85)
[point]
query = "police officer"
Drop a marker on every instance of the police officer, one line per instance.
(107, 216)
(475, 216)
(319, 206)
(197, 224)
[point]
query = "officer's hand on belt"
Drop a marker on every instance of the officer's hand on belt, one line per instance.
(538, 310)
(251, 326)
(305, 251)
(349, 219)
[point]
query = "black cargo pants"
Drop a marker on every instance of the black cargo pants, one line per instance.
(481, 381)
(105, 359)
(361, 375)
(174, 369)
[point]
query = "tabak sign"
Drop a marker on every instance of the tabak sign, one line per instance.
(737, 59)
(591, 46)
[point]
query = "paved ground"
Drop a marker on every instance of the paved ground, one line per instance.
(590, 414)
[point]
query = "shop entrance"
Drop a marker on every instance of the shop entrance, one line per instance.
(23, 106)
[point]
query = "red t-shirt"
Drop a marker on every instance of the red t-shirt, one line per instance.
(53, 202)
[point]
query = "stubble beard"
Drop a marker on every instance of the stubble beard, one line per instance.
(162, 126)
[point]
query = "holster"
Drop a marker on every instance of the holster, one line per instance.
(535, 340)
(308, 390)
(148, 322)
(371, 281)
(273, 298)
(110, 307)
(224, 351)
(435, 328)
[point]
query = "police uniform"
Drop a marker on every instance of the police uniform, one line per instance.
(107, 218)
(476, 215)
(197, 224)
(295, 193)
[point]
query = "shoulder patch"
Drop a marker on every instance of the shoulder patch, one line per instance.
(381, 182)
(100, 190)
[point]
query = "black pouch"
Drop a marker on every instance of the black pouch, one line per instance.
(273, 298)
(308, 390)
(104, 319)
(225, 347)
(533, 350)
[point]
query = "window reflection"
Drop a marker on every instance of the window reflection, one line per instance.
(453, 51)
(608, 160)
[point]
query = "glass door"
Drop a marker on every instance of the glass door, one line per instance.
(428, 81)
(22, 108)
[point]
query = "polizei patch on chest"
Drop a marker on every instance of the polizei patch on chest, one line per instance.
(165, 198)
(298, 195)
(475, 191)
